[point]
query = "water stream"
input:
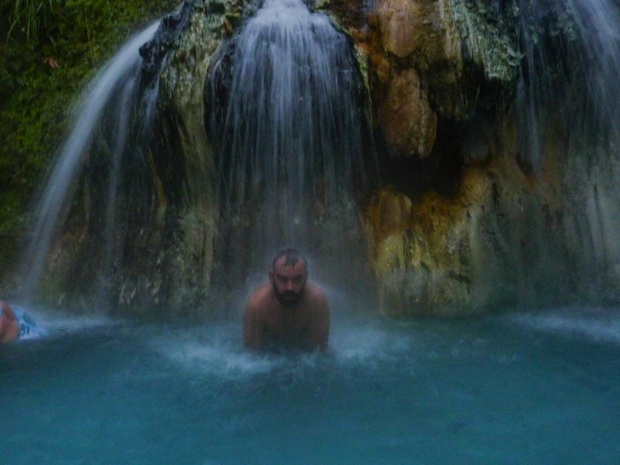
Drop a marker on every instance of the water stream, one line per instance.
(292, 134)
(108, 100)
(571, 62)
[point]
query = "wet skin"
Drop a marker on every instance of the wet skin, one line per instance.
(287, 312)
(9, 327)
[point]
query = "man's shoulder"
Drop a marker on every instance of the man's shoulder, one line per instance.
(259, 298)
(316, 294)
(315, 289)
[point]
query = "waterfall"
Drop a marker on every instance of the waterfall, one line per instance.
(572, 55)
(568, 86)
(292, 137)
(187, 169)
(107, 101)
(289, 145)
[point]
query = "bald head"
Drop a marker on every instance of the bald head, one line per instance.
(289, 257)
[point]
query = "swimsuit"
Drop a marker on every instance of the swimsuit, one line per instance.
(27, 326)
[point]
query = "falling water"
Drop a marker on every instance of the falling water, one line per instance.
(109, 98)
(568, 86)
(287, 116)
(571, 55)
(597, 20)
(292, 136)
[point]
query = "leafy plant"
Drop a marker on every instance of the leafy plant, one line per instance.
(30, 17)
(48, 50)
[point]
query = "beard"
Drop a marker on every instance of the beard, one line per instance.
(288, 298)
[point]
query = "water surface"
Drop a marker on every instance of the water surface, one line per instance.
(535, 388)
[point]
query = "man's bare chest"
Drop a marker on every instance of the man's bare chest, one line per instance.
(293, 323)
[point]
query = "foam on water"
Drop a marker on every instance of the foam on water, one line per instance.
(218, 350)
(214, 351)
(594, 324)
(53, 324)
(363, 343)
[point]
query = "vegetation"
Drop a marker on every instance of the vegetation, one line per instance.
(48, 51)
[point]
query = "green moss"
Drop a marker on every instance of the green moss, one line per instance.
(48, 51)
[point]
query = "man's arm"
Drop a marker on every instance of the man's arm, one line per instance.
(319, 323)
(252, 327)
(9, 327)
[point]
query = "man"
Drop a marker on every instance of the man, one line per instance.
(288, 312)
(9, 325)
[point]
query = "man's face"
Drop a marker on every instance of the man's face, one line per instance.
(288, 281)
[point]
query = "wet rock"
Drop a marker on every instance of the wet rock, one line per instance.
(400, 23)
(467, 254)
(409, 125)
(172, 27)
(426, 62)
(183, 159)
(429, 59)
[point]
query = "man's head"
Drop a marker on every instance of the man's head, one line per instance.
(288, 276)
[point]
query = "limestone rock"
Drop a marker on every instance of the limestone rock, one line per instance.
(423, 28)
(409, 125)
(453, 256)
(400, 21)
(450, 49)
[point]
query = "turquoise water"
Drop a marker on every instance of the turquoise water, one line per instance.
(535, 388)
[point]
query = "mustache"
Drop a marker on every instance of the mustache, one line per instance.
(288, 297)
(289, 294)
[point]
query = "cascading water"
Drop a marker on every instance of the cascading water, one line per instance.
(278, 118)
(572, 60)
(571, 55)
(106, 109)
(293, 142)
(287, 115)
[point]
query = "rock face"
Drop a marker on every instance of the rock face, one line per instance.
(452, 254)
(428, 60)
(464, 220)
(443, 78)
(466, 254)
(408, 123)
(189, 198)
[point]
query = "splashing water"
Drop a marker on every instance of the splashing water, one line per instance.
(489, 391)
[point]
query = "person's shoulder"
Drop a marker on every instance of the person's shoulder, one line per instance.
(316, 293)
(258, 298)
(7, 310)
